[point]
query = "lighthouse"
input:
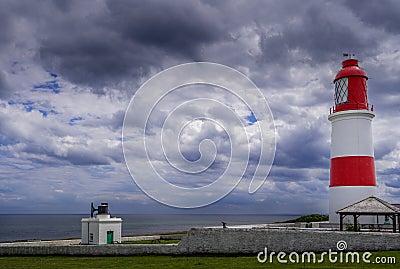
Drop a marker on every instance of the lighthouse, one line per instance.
(352, 170)
(102, 228)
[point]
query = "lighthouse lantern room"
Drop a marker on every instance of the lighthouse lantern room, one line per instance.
(352, 170)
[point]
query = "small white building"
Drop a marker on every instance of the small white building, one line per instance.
(101, 229)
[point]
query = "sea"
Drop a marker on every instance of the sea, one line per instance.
(47, 227)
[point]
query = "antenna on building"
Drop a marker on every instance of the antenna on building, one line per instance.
(92, 210)
(348, 55)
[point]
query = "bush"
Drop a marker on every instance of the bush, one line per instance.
(309, 218)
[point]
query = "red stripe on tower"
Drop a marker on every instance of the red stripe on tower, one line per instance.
(352, 172)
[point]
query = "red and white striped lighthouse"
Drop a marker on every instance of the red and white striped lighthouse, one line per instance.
(352, 173)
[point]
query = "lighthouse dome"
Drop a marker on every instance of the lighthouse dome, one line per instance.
(350, 68)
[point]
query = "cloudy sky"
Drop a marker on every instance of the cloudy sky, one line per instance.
(69, 69)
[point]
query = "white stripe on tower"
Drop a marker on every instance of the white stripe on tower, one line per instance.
(352, 133)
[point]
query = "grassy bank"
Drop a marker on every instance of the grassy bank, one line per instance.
(308, 218)
(199, 262)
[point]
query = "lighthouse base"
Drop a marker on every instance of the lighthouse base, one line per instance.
(340, 197)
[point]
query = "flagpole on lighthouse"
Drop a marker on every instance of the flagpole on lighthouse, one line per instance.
(352, 170)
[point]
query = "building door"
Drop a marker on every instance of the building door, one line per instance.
(110, 237)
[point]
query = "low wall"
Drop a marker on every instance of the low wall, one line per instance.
(228, 241)
(91, 250)
(232, 241)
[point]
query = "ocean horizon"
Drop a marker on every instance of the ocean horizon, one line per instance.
(19, 227)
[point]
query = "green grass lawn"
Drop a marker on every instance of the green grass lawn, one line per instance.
(68, 262)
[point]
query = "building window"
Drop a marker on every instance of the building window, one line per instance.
(341, 91)
(91, 237)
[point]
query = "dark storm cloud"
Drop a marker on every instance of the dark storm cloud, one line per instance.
(174, 26)
(101, 45)
(5, 27)
(289, 174)
(383, 87)
(384, 15)
(5, 88)
(124, 39)
(82, 157)
(392, 171)
(78, 155)
(318, 31)
(383, 148)
(117, 120)
(304, 147)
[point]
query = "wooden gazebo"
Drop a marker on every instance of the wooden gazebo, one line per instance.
(371, 206)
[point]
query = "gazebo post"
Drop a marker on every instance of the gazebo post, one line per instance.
(394, 223)
(341, 221)
(398, 221)
(355, 222)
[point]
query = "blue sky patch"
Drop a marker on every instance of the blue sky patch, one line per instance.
(44, 112)
(251, 118)
(54, 75)
(73, 120)
(47, 112)
(28, 108)
(49, 85)
(28, 103)
(107, 168)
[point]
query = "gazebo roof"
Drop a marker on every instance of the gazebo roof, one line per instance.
(370, 205)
